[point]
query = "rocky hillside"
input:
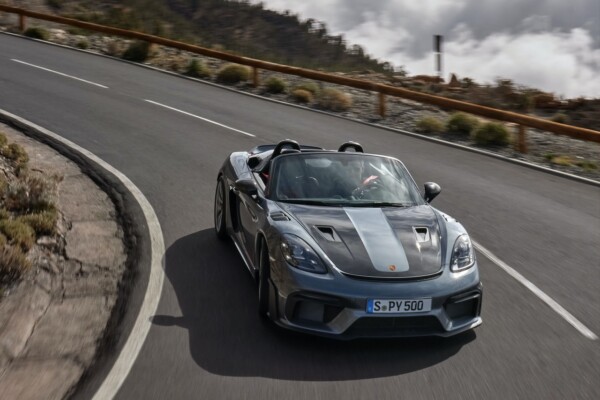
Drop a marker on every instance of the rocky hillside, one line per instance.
(234, 26)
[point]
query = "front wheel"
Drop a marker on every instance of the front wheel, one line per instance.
(263, 280)
(220, 210)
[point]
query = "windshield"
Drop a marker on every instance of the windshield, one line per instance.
(342, 179)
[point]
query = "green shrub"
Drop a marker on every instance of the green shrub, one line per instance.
(16, 154)
(13, 263)
(137, 51)
(561, 118)
(43, 223)
(462, 124)
(4, 214)
(30, 194)
(18, 233)
(334, 100)
(3, 140)
(233, 73)
(37, 33)
(197, 69)
(302, 96)
(430, 125)
(311, 87)
(492, 134)
(275, 85)
(83, 44)
(587, 165)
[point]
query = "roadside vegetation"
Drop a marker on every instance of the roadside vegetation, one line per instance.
(233, 73)
(334, 100)
(27, 211)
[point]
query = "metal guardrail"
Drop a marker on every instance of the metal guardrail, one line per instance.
(383, 90)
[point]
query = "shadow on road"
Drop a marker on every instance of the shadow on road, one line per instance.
(218, 299)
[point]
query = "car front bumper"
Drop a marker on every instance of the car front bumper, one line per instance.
(335, 305)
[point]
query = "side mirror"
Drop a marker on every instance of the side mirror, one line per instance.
(246, 186)
(432, 189)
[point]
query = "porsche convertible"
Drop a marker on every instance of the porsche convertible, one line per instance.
(343, 244)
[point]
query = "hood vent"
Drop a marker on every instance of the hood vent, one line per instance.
(422, 234)
(279, 216)
(328, 233)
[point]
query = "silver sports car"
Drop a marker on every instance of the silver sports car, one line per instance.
(343, 244)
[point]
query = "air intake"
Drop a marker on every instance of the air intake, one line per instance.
(422, 234)
(328, 233)
(279, 216)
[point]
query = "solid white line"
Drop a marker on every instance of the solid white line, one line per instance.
(137, 336)
(202, 118)
(567, 316)
(60, 73)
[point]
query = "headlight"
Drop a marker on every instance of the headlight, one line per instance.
(299, 254)
(462, 254)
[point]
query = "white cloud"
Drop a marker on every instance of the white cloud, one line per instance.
(552, 45)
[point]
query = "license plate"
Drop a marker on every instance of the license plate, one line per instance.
(395, 306)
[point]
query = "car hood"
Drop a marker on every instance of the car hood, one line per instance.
(390, 242)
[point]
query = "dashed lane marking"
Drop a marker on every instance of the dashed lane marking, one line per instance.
(201, 118)
(59, 73)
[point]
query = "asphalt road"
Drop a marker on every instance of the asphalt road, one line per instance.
(207, 342)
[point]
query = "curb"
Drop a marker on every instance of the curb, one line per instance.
(142, 281)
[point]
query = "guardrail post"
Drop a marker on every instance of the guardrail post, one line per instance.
(22, 23)
(255, 77)
(381, 105)
(521, 143)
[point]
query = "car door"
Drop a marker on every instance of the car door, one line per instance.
(250, 212)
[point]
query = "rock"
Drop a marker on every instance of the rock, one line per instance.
(88, 242)
(22, 310)
(95, 284)
(47, 379)
(80, 322)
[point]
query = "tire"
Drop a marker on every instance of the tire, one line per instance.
(220, 210)
(263, 280)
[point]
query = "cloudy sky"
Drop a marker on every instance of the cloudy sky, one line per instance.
(553, 45)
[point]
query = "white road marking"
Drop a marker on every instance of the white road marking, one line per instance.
(60, 73)
(115, 378)
(560, 310)
(202, 118)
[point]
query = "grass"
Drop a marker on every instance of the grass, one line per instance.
(311, 87)
(430, 125)
(43, 223)
(587, 165)
(18, 233)
(13, 264)
(37, 33)
(462, 124)
(334, 100)
(233, 73)
(275, 85)
(302, 96)
(197, 69)
(29, 194)
(491, 134)
(26, 212)
(138, 51)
